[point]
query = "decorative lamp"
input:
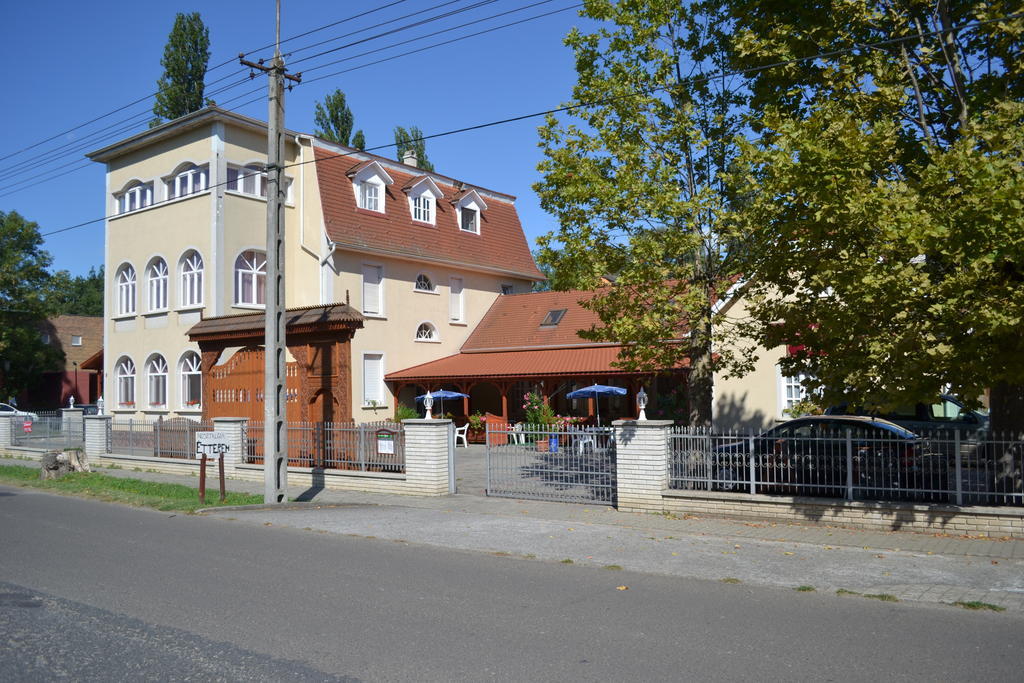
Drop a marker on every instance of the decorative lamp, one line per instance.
(641, 402)
(99, 406)
(428, 403)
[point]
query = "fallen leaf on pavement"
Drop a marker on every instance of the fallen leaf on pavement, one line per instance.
(622, 588)
(788, 553)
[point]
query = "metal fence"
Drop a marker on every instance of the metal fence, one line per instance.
(49, 433)
(852, 464)
(560, 463)
(172, 438)
(363, 447)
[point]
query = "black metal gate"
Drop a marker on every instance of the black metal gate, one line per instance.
(565, 464)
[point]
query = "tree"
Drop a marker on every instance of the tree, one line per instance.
(334, 118)
(23, 280)
(180, 89)
(359, 140)
(412, 139)
(76, 294)
(636, 184)
(882, 200)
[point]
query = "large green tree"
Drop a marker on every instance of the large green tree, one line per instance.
(634, 176)
(23, 284)
(333, 118)
(412, 139)
(186, 55)
(882, 199)
(69, 294)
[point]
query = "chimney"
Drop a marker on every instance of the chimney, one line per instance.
(409, 158)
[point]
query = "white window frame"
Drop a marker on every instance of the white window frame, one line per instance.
(189, 366)
(456, 299)
(126, 280)
(250, 266)
(250, 180)
(371, 174)
(416, 284)
(190, 279)
(376, 270)
(76, 340)
(125, 374)
(378, 392)
(188, 180)
(423, 207)
(433, 335)
(156, 382)
(156, 285)
(137, 196)
(464, 212)
(791, 391)
(507, 289)
(370, 196)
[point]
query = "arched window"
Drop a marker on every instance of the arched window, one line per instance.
(156, 377)
(125, 373)
(250, 276)
(191, 267)
(426, 332)
(188, 180)
(190, 371)
(424, 283)
(136, 196)
(126, 290)
(156, 284)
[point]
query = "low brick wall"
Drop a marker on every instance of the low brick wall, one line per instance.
(973, 521)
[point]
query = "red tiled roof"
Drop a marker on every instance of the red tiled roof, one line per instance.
(547, 362)
(501, 244)
(514, 321)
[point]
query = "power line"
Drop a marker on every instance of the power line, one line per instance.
(55, 154)
(581, 105)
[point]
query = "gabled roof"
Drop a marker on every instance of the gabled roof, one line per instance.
(514, 322)
(500, 246)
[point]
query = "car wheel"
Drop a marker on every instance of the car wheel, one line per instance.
(726, 478)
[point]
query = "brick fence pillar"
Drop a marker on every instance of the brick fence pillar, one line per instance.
(426, 456)
(97, 429)
(642, 455)
(234, 428)
(7, 425)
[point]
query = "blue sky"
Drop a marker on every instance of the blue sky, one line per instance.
(71, 62)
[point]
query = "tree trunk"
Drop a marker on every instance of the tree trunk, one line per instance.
(1007, 410)
(701, 380)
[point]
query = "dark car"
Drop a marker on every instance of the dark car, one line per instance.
(942, 418)
(824, 455)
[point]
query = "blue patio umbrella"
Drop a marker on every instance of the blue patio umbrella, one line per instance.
(594, 391)
(442, 394)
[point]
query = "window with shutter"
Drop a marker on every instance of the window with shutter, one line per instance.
(373, 379)
(373, 294)
(455, 304)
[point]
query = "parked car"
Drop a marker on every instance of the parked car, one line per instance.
(942, 418)
(808, 456)
(8, 409)
(89, 408)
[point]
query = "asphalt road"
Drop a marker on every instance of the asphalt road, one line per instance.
(95, 591)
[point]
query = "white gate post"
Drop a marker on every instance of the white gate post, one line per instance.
(426, 456)
(97, 427)
(642, 455)
(7, 425)
(234, 428)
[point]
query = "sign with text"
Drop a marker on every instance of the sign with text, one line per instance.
(211, 444)
(27, 427)
(385, 442)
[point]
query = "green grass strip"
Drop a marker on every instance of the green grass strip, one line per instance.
(977, 604)
(157, 495)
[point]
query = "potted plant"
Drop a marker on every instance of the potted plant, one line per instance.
(477, 428)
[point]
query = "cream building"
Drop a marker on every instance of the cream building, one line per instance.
(420, 255)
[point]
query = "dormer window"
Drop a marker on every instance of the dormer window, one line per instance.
(369, 180)
(553, 317)
(137, 196)
(423, 195)
(468, 209)
(189, 179)
(369, 196)
(423, 208)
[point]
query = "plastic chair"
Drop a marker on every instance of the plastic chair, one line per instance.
(518, 438)
(460, 435)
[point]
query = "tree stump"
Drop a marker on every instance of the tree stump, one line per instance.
(56, 464)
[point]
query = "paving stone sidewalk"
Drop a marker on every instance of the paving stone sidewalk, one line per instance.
(907, 566)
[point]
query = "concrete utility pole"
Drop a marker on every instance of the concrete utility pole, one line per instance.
(275, 434)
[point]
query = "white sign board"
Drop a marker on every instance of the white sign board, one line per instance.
(211, 444)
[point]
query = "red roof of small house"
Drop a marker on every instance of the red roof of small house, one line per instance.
(510, 341)
(500, 245)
